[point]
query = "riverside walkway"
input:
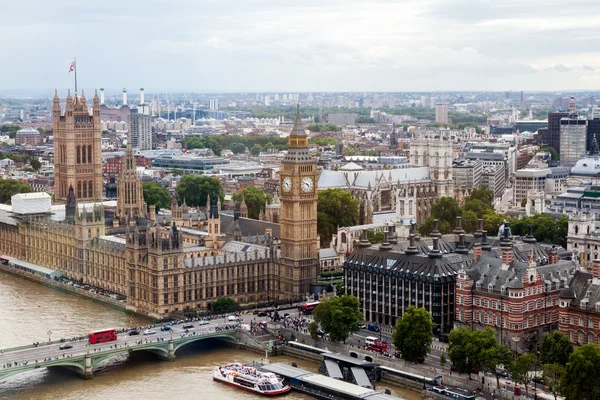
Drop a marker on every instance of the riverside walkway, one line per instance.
(83, 357)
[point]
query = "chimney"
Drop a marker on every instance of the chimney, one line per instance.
(529, 238)
(385, 246)
(506, 244)
(485, 244)
(553, 256)
(436, 229)
(461, 248)
(152, 215)
(101, 96)
(412, 249)
(596, 269)
(124, 96)
(364, 241)
(458, 229)
(479, 228)
(435, 251)
(476, 250)
(142, 96)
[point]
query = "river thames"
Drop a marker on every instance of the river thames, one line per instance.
(30, 312)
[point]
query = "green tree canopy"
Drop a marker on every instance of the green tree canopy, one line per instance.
(580, 381)
(556, 348)
(237, 148)
(10, 187)
(224, 305)
(156, 195)
(323, 141)
(470, 350)
(323, 128)
(553, 374)
(205, 142)
(35, 163)
(546, 229)
(255, 150)
(196, 189)
(254, 198)
(335, 208)
(521, 367)
(413, 334)
(339, 317)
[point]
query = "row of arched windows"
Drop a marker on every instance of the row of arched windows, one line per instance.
(85, 189)
(84, 154)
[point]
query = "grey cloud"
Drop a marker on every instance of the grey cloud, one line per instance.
(561, 68)
(588, 68)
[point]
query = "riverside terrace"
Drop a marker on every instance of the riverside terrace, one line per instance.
(84, 357)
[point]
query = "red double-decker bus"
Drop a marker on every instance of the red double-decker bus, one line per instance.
(308, 308)
(104, 335)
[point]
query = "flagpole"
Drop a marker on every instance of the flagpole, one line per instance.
(75, 61)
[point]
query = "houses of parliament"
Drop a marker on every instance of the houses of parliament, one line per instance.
(160, 268)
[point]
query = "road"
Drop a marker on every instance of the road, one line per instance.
(81, 346)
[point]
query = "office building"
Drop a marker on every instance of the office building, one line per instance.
(494, 178)
(467, 176)
(140, 128)
(551, 135)
(28, 136)
(441, 113)
(573, 136)
(213, 104)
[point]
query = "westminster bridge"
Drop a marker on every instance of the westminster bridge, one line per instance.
(84, 357)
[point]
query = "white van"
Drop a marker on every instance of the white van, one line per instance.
(232, 318)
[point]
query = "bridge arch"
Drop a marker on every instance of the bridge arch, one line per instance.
(229, 336)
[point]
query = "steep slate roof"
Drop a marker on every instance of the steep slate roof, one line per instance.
(584, 289)
(332, 179)
(248, 226)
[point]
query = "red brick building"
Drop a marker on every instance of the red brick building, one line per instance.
(513, 289)
(579, 307)
(113, 166)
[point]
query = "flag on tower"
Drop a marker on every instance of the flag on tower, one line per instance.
(72, 67)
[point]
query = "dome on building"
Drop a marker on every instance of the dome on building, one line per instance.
(567, 293)
(588, 166)
(515, 283)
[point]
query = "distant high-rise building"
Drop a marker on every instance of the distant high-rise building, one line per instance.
(595, 112)
(77, 148)
(22, 115)
(213, 105)
(284, 97)
(551, 135)
(276, 97)
(522, 100)
(573, 135)
(572, 105)
(267, 101)
(432, 102)
(140, 129)
(441, 113)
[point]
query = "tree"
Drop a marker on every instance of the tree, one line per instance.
(375, 237)
(521, 367)
(477, 206)
(254, 198)
(255, 150)
(335, 208)
(224, 305)
(156, 195)
(338, 317)
(237, 148)
(35, 163)
(195, 189)
(313, 329)
(469, 221)
(10, 187)
(446, 209)
(413, 334)
(491, 222)
(580, 381)
(482, 194)
(556, 348)
(470, 350)
(443, 360)
(554, 156)
(553, 374)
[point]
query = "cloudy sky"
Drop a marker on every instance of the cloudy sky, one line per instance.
(302, 45)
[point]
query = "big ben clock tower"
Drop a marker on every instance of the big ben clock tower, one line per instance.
(298, 219)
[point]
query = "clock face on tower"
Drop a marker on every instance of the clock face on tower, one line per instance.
(307, 184)
(286, 184)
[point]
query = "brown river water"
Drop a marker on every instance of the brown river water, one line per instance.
(28, 311)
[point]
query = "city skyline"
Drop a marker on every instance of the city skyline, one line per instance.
(342, 46)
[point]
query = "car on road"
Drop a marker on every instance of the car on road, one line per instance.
(502, 373)
(164, 328)
(262, 314)
(65, 346)
(149, 332)
(203, 322)
(233, 318)
(187, 326)
(373, 327)
(133, 332)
